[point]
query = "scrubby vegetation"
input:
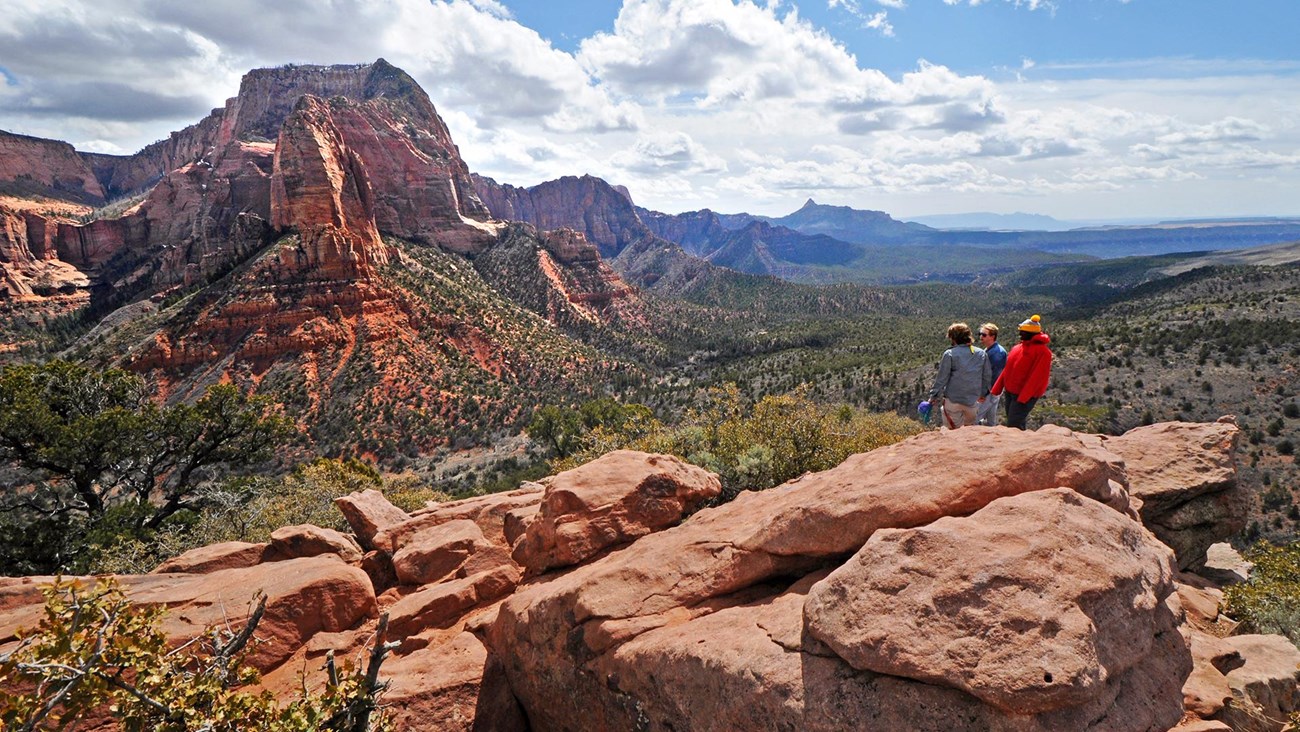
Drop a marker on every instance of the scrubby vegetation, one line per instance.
(95, 651)
(1269, 602)
(751, 446)
(96, 460)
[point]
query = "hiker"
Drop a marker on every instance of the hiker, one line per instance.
(987, 413)
(1028, 369)
(963, 380)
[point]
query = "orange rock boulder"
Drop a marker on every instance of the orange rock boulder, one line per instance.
(610, 501)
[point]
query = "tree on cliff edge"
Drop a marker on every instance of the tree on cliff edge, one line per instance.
(88, 457)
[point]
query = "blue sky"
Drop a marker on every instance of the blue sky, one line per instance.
(1080, 109)
(994, 35)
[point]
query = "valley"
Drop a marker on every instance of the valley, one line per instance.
(320, 241)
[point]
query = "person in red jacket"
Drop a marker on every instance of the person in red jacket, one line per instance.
(1024, 379)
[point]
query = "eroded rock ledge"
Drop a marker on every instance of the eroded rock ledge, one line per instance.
(1024, 586)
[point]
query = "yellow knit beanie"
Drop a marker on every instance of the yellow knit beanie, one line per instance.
(1033, 325)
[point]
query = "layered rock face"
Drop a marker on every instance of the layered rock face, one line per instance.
(30, 268)
(586, 204)
(282, 305)
(1185, 477)
(209, 198)
(33, 166)
(326, 177)
(1020, 593)
(320, 189)
(559, 275)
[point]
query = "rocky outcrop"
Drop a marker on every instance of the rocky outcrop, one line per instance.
(205, 559)
(368, 513)
(31, 166)
(306, 540)
(420, 187)
(1185, 477)
(604, 215)
(560, 276)
(321, 190)
(1019, 593)
(1265, 684)
(29, 265)
(609, 501)
(487, 512)
(308, 297)
(608, 632)
(1033, 604)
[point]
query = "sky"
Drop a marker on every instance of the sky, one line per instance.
(1078, 109)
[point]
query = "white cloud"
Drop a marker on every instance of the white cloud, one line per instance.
(730, 104)
(666, 152)
(717, 52)
(880, 22)
(1031, 4)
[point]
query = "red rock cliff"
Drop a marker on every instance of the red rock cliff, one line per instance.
(320, 189)
(31, 166)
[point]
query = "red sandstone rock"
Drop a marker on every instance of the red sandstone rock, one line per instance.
(586, 204)
(305, 540)
(304, 597)
(1185, 476)
(1266, 687)
(369, 512)
(561, 637)
(1032, 604)
(1202, 603)
(517, 521)
(50, 167)
(438, 604)
(378, 566)
(1206, 690)
(452, 685)
(560, 276)
(226, 555)
(612, 500)
(436, 552)
(420, 187)
(320, 188)
(488, 512)
(702, 626)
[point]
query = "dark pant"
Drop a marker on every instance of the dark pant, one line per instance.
(1018, 413)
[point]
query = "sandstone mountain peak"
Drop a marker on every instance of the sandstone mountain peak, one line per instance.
(309, 237)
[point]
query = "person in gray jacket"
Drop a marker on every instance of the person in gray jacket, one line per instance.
(964, 378)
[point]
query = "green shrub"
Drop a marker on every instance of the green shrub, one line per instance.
(753, 447)
(1269, 602)
(94, 651)
(88, 451)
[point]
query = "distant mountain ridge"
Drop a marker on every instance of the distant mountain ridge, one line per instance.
(994, 221)
(865, 227)
(849, 224)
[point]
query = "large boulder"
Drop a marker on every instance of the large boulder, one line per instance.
(1186, 478)
(1265, 685)
(488, 512)
(438, 551)
(306, 540)
(609, 501)
(1034, 603)
(594, 642)
(304, 598)
(368, 513)
(204, 559)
